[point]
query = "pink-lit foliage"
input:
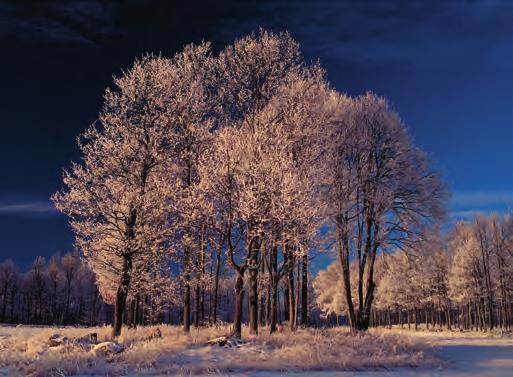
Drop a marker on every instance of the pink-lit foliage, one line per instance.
(245, 154)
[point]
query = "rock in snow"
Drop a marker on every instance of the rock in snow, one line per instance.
(86, 341)
(224, 341)
(107, 348)
(57, 340)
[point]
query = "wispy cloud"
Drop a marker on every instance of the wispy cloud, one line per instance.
(479, 199)
(465, 205)
(28, 208)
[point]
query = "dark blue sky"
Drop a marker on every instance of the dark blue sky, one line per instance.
(446, 66)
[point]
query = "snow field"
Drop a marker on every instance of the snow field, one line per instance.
(24, 351)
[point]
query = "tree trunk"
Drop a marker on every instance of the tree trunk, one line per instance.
(197, 305)
(304, 292)
(216, 281)
(285, 298)
(273, 265)
(262, 306)
(187, 304)
(187, 291)
(131, 314)
(201, 295)
(121, 296)
(343, 249)
(253, 287)
(298, 293)
(290, 272)
(239, 300)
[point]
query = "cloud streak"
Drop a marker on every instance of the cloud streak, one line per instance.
(482, 199)
(465, 205)
(28, 208)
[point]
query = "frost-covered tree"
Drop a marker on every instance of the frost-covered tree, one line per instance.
(249, 162)
(117, 197)
(467, 277)
(328, 290)
(435, 290)
(480, 277)
(401, 286)
(501, 228)
(381, 193)
(190, 106)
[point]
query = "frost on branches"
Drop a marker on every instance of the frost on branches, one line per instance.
(241, 158)
(118, 198)
(381, 192)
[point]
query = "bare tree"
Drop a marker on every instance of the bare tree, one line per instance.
(381, 192)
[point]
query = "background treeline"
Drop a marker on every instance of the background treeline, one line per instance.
(464, 282)
(63, 291)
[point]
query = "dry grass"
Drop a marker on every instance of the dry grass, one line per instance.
(24, 349)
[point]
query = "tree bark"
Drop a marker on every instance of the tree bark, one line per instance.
(273, 266)
(253, 286)
(187, 303)
(121, 295)
(343, 251)
(197, 306)
(304, 292)
(216, 281)
(290, 277)
(239, 300)
(262, 307)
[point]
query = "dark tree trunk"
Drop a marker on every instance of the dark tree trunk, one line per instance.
(197, 302)
(290, 277)
(262, 307)
(268, 305)
(273, 265)
(186, 311)
(304, 292)
(201, 286)
(121, 296)
(131, 314)
(285, 299)
(239, 300)
(216, 281)
(343, 250)
(253, 286)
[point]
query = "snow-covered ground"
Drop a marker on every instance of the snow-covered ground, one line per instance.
(313, 353)
(462, 355)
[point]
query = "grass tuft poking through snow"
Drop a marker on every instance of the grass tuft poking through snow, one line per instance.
(25, 349)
